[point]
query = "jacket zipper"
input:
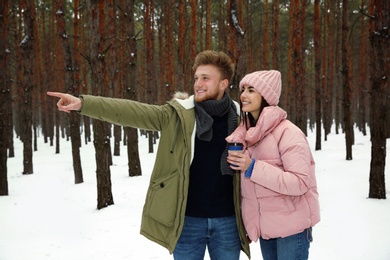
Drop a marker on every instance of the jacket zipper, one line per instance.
(175, 136)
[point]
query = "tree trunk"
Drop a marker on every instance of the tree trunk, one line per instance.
(181, 85)
(168, 69)
(131, 89)
(40, 93)
(328, 81)
(291, 81)
(9, 83)
(275, 33)
(101, 142)
(208, 39)
(298, 64)
(338, 78)
(5, 97)
(237, 46)
(361, 114)
(194, 23)
(48, 62)
(222, 28)
(380, 68)
(36, 77)
(149, 43)
(317, 68)
(28, 85)
(113, 68)
(266, 36)
(347, 88)
(61, 120)
(70, 87)
(84, 75)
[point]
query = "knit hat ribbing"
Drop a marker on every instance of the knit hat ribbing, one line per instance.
(267, 82)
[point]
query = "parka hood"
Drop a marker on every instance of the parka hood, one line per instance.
(188, 102)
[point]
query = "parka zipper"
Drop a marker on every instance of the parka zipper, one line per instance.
(175, 136)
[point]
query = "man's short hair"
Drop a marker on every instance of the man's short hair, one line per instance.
(219, 59)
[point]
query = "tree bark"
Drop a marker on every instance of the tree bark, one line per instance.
(101, 141)
(329, 67)
(276, 34)
(362, 84)
(130, 88)
(5, 98)
(149, 43)
(208, 39)
(266, 36)
(222, 28)
(168, 69)
(113, 68)
(298, 64)
(181, 43)
(70, 87)
(347, 88)
(338, 78)
(48, 61)
(380, 69)
(84, 79)
(194, 23)
(237, 46)
(318, 75)
(26, 46)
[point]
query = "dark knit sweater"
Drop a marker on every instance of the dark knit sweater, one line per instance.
(210, 193)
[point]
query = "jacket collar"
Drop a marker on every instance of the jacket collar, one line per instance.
(189, 103)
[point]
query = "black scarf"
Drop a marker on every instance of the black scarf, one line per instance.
(204, 122)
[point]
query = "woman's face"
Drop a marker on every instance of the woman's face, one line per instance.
(250, 101)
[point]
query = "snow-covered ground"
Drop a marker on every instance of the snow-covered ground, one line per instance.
(47, 216)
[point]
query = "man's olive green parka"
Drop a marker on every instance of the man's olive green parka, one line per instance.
(166, 198)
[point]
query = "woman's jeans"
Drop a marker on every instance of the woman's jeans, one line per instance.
(295, 247)
(220, 235)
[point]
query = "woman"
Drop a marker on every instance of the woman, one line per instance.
(278, 184)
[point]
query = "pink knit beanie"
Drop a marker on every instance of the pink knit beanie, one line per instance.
(267, 82)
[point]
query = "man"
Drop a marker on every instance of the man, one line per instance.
(193, 200)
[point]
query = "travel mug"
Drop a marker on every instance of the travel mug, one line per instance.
(236, 147)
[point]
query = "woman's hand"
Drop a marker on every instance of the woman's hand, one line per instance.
(239, 161)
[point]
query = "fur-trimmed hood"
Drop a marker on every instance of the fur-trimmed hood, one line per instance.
(181, 95)
(188, 102)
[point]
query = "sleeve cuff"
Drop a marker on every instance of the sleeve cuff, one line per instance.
(248, 172)
(82, 103)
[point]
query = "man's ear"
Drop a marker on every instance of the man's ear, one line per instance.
(224, 84)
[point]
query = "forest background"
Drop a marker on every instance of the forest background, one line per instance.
(333, 55)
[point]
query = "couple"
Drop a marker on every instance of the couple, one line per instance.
(196, 198)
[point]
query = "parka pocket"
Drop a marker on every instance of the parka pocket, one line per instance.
(163, 204)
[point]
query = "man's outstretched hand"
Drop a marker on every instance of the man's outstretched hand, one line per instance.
(67, 102)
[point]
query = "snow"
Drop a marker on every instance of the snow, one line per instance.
(24, 41)
(47, 216)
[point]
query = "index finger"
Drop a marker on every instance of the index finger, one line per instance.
(55, 94)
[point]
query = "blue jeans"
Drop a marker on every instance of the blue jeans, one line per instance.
(220, 235)
(295, 247)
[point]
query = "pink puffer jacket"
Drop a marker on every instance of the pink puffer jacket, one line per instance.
(280, 199)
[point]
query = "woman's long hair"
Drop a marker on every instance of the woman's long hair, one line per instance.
(247, 119)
